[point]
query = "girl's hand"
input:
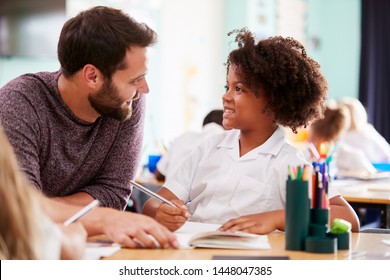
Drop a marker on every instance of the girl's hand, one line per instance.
(172, 217)
(261, 223)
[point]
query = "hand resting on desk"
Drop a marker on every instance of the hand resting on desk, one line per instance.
(128, 229)
(261, 223)
(135, 230)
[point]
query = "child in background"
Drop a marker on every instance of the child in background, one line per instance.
(26, 232)
(326, 133)
(182, 146)
(238, 178)
(362, 135)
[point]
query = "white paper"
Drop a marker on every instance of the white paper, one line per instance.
(96, 250)
(189, 229)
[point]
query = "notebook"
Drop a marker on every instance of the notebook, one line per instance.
(200, 235)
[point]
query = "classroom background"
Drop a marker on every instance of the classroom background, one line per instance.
(186, 67)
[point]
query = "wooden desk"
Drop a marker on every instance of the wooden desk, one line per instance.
(364, 246)
(366, 194)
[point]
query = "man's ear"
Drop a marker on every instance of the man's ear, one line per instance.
(92, 76)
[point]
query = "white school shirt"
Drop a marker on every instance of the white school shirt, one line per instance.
(220, 185)
(373, 144)
(182, 146)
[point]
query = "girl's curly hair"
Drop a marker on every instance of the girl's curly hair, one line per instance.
(280, 69)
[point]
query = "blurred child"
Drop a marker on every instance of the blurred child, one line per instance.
(362, 135)
(238, 178)
(324, 136)
(26, 232)
(182, 146)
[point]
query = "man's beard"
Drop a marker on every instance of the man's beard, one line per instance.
(107, 103)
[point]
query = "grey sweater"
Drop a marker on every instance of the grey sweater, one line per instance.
(62, 154)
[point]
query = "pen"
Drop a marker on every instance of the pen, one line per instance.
(82, 212)
(150, 193)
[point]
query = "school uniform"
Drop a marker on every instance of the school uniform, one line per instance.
(368, 139)
(220, 185)
(182, 146)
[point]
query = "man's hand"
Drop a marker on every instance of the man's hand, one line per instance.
(135, 230)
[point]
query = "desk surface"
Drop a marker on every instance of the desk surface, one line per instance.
(365, 191)
(364, 246)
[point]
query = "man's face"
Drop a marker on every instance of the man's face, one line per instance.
(115, 97)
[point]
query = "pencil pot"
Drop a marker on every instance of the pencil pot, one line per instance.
(319, 222)
(343, 240)
(319, 241)
(297, 214)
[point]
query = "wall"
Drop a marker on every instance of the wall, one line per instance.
(333, 39)
(11, 67)
(191, 68)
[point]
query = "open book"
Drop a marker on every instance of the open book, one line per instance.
(199, 235)
(229, 240)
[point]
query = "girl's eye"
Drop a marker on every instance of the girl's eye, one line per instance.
(238, 89)
(226, 88)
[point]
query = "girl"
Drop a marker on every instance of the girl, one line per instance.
(238, 178)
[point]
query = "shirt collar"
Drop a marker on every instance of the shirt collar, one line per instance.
(272, 146)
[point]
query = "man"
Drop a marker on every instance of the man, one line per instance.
(77, 133)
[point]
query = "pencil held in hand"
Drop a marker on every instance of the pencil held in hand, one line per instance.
(82, 212)
(150, 193)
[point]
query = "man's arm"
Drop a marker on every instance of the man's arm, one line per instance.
(128, 229)
(80, 199)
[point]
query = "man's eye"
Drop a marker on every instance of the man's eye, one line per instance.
(137, 81)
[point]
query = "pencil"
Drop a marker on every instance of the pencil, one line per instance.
(82, 212)
(150, 193)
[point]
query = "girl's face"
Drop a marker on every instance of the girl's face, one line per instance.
(242, 109)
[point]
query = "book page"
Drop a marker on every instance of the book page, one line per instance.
(185, 233)
(201, 235)
(230, 240)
